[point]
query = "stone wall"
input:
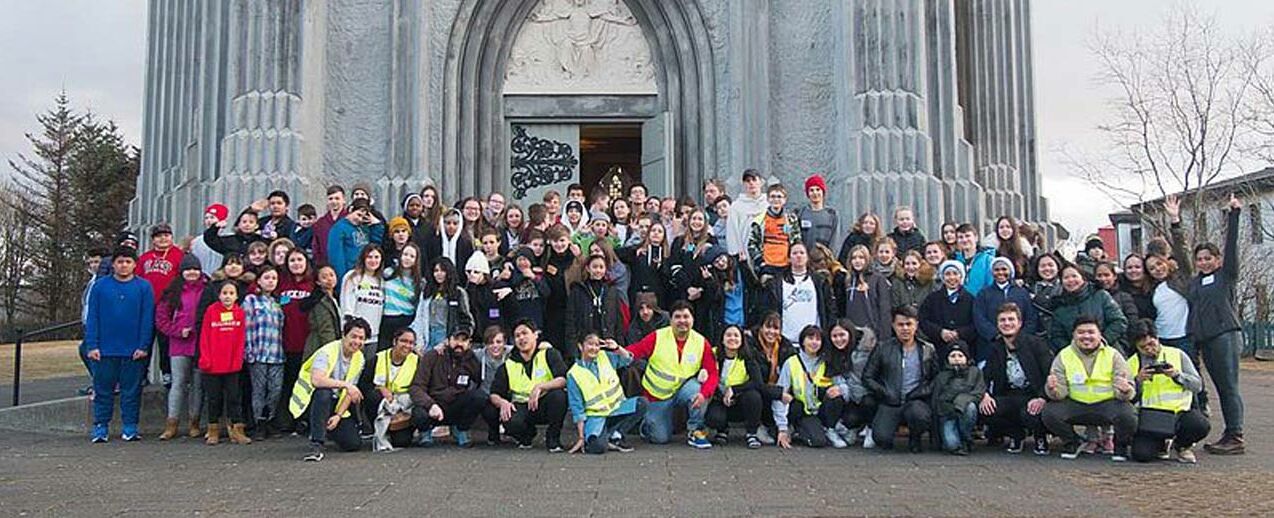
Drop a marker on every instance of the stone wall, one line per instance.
(921, 102)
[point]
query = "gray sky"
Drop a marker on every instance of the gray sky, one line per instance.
(95, 49)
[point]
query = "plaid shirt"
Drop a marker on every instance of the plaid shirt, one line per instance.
(265, 329)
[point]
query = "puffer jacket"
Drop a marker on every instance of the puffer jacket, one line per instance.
(1096, 303)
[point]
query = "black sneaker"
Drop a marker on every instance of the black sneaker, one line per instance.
(1014, 446)
(754, 442)
(525, 446)
(720, 438)
(1072, 449)
(619, 445)
(1041, 447)
(555, 447)
(315, 454)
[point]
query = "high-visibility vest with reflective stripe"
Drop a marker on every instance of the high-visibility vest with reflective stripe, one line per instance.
(602, 393)
(406, 372)
(738, 373)
(1090, 388)
(304, 388)
(796, 370)
(1161, 392)
(520, 384)
(665, 372)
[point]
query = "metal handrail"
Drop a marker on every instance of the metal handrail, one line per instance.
(17, 353)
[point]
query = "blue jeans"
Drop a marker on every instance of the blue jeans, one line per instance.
(597, 430)
(88, 364)
(125, 372)
(958, 430)
(656, 427)
(1221, 356)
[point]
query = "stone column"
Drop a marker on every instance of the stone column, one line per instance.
(996, 74)
(749, 55)
(261, 150)
(886, 151)
(182, 121)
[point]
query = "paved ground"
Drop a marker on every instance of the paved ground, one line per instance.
(66, 476)
(40, 390)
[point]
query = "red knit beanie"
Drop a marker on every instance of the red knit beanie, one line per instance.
(815, 181)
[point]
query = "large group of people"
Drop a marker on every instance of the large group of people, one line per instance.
(640, 316)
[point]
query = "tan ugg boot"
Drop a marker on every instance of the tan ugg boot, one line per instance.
(214, 433)
(194, 431)
(237, 434)
(170, 430)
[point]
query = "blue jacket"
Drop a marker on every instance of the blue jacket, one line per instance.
(986, 308)
(978, 270)
(120, 318)
(346, 240)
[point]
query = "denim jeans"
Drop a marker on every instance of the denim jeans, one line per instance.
(267, 384)
(125, 372)
(657, 425)
(187, 389)
(957, 430)
(597, 430)
(1221, 357)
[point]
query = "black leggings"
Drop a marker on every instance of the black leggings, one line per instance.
(223, 397)
(746, 408)
(858, 415)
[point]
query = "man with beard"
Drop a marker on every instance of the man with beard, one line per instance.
(447, 390)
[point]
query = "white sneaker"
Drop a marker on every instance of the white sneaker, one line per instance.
(763, 434)
(844, 432)
(834, 438)
(868, 442)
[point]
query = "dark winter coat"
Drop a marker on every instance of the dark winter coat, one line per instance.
(954, 389)
(869, 308)
(1032, 353)
(1096, 303)
(1211, 296)
(937, 312)
(907, 241)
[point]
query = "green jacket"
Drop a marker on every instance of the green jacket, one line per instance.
(325, 323)
(1067, 307)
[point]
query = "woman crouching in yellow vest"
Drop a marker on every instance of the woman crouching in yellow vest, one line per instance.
(395, 368)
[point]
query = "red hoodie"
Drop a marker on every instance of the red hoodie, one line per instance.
(159, 268)
(221, 339)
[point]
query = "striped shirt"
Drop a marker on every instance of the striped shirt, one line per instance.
(400, 297)
(265, 329)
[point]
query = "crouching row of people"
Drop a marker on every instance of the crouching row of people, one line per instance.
(809, 393)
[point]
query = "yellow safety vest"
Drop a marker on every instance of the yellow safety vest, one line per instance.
(738, 373)
(519, 384)
(602, 393)
(402, 379)
(304, 388)
(1161, 392)
(1090, 388)
(665, 372)
(796, 370)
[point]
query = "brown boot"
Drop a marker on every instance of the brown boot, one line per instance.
(170, 430)
(237, 434)
(194, 431)
(1228, 445)
(214, 433)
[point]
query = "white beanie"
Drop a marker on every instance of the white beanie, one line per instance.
(1007, 262)
(477, 263)
(949, 264)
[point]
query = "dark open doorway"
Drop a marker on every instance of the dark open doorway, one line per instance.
(609, 154)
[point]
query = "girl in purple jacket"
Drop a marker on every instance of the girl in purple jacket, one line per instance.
(176, 318)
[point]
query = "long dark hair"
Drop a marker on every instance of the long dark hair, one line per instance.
(448, 287)
(839, 361)
(172, 293)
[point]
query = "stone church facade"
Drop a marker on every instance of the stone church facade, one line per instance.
(927, 103)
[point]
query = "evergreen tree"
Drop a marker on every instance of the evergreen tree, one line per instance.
(103, 181)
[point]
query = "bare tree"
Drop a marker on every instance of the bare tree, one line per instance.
(1258, 59)
(1182, 113)
(15, 256)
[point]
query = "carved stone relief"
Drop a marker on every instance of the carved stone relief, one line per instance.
(580, 47)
